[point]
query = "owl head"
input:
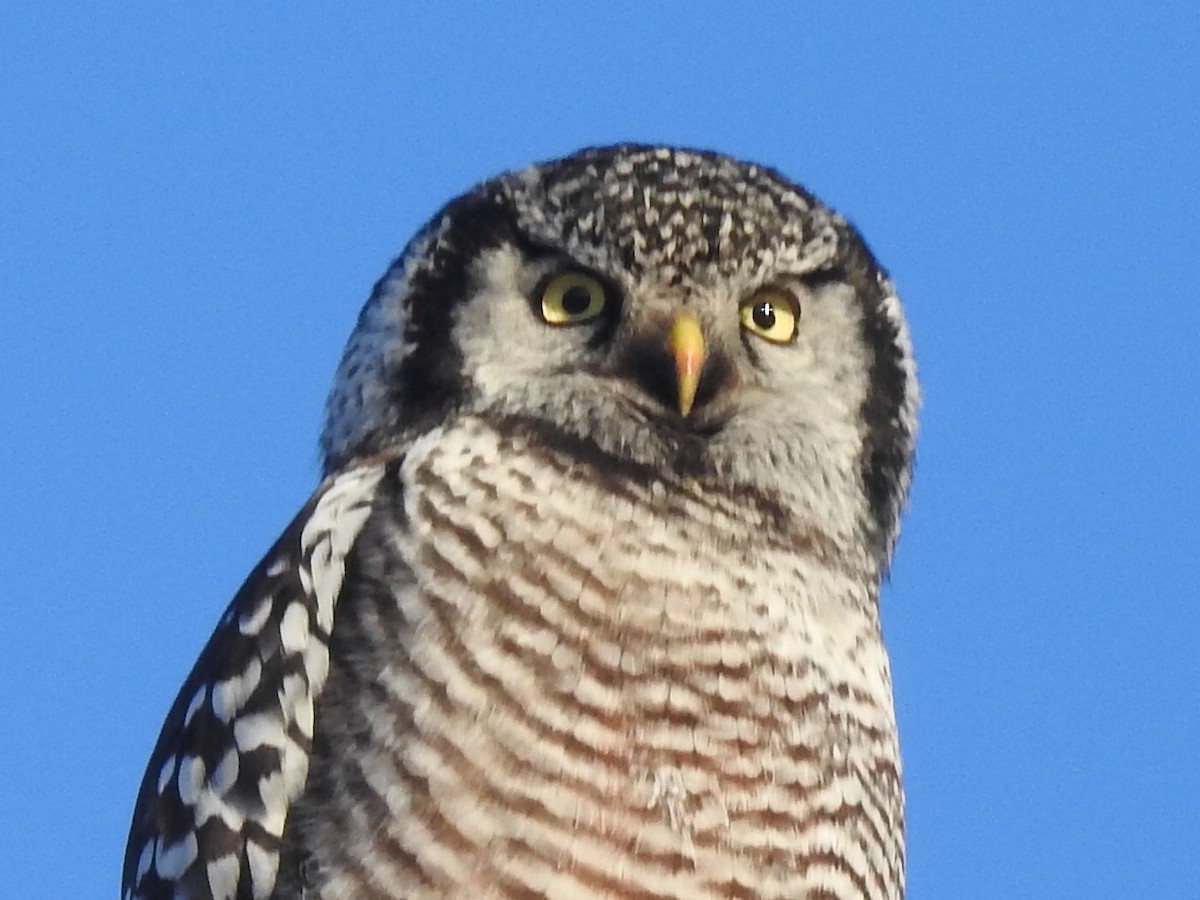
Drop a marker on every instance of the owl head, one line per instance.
(653, 313)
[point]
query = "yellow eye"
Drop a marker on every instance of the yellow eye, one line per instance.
(772, 314)
(571, 298)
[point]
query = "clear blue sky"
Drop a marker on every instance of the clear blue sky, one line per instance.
(194, 203)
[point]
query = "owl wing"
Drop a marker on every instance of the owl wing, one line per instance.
(233, 752)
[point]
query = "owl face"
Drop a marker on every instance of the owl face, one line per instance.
(668, 314)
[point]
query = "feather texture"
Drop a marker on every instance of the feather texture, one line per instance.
(234, 751)
(663, 698)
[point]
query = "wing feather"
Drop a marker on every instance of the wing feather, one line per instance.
(233, 753)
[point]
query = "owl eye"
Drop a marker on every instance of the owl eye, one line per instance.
(772, 314)
(571, 298)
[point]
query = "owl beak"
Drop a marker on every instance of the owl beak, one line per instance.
(686, 344)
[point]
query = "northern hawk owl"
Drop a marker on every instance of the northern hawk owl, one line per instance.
(586, 604)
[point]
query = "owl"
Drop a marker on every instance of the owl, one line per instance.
(587, 603)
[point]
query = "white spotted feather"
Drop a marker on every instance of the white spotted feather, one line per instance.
(300, 580)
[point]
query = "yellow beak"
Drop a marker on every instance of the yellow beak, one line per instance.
(686, 343)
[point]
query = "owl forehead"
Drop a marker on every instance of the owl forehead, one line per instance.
(672, 216)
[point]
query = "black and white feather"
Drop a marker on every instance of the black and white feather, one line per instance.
(234, 751)
(564, 620)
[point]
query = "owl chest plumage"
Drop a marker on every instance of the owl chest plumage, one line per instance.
(545, 682)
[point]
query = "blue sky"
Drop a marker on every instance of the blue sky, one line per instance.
(195, 202)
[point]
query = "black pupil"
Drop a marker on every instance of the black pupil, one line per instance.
(764, 316)
(576, 300)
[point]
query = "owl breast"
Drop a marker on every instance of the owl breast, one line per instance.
(562, 686)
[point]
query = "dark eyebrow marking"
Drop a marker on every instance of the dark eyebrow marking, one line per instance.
(830, 274)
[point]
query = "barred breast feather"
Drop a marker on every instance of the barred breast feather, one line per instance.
(549, 682)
